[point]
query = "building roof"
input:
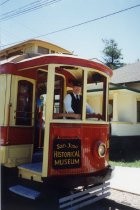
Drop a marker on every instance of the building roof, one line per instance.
(127, 74)
(28, 43)
(31, 41)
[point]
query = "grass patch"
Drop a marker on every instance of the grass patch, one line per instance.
(134, 164)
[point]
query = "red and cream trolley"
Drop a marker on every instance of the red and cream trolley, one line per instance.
(37, 135)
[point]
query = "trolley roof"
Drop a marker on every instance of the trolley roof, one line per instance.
(65, 62)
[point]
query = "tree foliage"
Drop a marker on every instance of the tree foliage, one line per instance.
(112, 55)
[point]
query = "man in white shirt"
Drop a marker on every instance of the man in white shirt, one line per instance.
(73, 101)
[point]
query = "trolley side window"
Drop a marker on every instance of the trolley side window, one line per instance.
(24, 103)
(96, 93)
(58, 94)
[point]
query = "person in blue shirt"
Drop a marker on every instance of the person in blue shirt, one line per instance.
(73, 101)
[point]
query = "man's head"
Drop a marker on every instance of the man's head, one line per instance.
(77, 86)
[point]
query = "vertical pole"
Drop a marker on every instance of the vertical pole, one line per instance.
(85, 72)
(115, 108)
(48, 116)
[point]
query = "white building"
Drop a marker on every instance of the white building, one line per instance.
(124, 99)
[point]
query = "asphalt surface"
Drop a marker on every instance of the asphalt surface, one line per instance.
(126, 179)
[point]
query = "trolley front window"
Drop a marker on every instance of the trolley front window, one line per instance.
(92, 94)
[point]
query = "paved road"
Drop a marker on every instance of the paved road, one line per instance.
(126, 179)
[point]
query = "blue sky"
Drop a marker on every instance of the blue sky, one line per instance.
(84, 40)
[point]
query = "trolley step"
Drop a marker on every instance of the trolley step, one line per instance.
(31, 171)
(85, 197)
(25, 192)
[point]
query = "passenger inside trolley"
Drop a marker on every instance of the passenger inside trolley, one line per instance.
(73, 100)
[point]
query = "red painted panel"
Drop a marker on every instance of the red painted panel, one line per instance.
(33, 64)
(53, 59)
(89, 136)
(9, 68)
(16, 135)
(3, 135)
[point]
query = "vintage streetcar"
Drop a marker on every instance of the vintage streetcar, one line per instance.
(37, 136)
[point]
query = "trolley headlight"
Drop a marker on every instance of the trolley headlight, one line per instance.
(101, 149)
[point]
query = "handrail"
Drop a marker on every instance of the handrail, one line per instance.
(94, 115)
(66, 115)
(75, 116)
(24, 117)
(23, 112)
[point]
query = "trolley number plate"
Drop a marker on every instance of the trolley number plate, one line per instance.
(66, 153)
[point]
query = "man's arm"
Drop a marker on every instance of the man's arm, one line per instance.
(67, 104)
(89, 109)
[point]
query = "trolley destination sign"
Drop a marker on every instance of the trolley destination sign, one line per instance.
(66, 153)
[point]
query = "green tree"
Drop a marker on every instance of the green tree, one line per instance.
(112, 55)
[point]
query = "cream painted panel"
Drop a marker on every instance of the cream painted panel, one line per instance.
(7, 101)
(125, 129)
(5, 84)
(2, 97)
(126, 107)
(15, 155)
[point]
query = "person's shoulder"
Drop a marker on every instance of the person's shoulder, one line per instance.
(70, 93)
(68, 96)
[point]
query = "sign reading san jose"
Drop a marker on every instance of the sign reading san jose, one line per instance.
(66, 153)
